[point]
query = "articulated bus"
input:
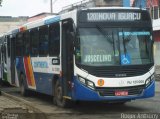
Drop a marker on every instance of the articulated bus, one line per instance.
(90, 54)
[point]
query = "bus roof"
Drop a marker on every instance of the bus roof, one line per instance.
(117, 8)
(55, 18)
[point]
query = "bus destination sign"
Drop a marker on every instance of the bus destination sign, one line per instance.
(113, 16)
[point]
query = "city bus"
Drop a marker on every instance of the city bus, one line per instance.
(88, 54)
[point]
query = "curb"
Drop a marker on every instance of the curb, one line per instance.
(37, 110)
(24, 102)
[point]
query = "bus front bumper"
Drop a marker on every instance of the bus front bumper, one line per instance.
(83, 93)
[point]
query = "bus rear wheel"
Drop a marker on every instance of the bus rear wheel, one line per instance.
(59, 100)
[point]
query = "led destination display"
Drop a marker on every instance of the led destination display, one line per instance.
(112, 16)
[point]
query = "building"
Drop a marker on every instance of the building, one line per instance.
(7, 23)
(121, 3)
(39, 16)
(139, 3)
(96, 3)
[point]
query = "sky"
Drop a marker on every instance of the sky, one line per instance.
(30, 8)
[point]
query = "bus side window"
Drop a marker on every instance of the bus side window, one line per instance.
(34, 42)
(54, 39)
(43, 41)
(8, 46)
(19, 45)
(5, 56)
(26, 38)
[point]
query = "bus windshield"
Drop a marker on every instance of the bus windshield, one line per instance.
(114, 46)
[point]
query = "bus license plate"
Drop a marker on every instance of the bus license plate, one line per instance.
(121, 93)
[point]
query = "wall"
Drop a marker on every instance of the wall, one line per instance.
(121, 3)
(157, 53)
(126, 3)
(151, 3)
(8, 23)
(109, 2)
(39, 16)
(140, 3)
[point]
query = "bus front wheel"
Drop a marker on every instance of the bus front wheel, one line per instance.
(59, 100)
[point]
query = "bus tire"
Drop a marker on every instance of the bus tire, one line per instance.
(23, 90)
(1, 82)
(58, 97)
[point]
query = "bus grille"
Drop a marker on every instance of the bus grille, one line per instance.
(118, 71)
(136, 90)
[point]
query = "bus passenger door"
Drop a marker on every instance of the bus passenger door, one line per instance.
(67, 55)
(12, 55)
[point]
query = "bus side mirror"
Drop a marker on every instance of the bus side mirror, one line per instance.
(71, 40)
(71, 37)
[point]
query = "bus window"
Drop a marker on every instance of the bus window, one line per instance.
(43, 41)
(19, 45)
(8, 45)
(26, 38)
(54, 40)
(34, 42)
(5, 56)
(0, 54)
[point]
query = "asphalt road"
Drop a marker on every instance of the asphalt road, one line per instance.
(138, 109)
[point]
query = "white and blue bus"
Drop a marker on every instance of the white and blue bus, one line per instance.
(91, 54)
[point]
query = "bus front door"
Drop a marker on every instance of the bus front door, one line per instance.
(67, 56)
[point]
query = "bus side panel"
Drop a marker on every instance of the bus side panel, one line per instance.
(81, 92)
(22, 65)
(19, 67)
(44, 82)
(29, 72)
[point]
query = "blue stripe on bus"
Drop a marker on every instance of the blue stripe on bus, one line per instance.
(43, 80)
(44, 83)
(83, 93)
(52, 20)
(144, 33)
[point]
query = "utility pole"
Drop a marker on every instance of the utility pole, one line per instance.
(51, 7)
(51, 4)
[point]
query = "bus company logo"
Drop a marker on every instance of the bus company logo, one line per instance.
(120, 75)
(100, 82)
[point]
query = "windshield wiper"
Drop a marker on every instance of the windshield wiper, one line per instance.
(124, 44)
(107, 37)
(126, 40)
(103, 33)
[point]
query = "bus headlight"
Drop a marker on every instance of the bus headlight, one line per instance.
(87, 83)
(82, 80)
(149, 80)
(90, 84)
